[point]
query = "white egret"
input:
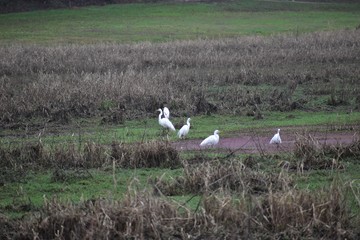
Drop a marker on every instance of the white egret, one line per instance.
(166, 112)
(185, 129)
(276, 138)
(164, 122)
(211, 140)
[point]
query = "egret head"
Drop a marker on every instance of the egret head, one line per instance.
(216, 132)
(159, 110)
(279, 130)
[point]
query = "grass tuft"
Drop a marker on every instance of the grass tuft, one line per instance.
(145, 155)
(231, 176)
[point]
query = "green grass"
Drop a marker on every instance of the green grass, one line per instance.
(29, 194)
(201, 127)
(129, 23)
(320, 179)
(38, 186)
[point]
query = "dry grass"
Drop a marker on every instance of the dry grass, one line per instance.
(311, 154)
(145, 155)
(138, 215)
(231, 176)
(236, 200)
(340, 151)
(194, 77)
(67, 159)
(292, 214)
(15, 162)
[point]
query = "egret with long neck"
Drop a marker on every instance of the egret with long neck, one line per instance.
(185, 129)
(165, 122)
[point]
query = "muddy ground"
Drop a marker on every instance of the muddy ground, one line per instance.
(259, 142)
(256, 141)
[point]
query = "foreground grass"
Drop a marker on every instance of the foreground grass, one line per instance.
(55, 189)
(29, 193)
(129, 23)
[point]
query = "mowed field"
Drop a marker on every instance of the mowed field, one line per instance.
(173, 21)
(82, 154)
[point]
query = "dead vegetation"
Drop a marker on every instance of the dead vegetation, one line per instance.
(145, 155)
(339, 151)
(70, 160)
(290, 214)
(310, 154)
(117, 82)
(232, 176)
(236, 198)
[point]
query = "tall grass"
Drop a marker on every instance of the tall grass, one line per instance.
(205, 76)
(17, 161)
(231, 176)
(290, 214)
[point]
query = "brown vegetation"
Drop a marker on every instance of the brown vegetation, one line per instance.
(145, 155)
(231, 176)
(69, 160)
(233, 76)
(237, 198)
(310, 154)
(292, 214)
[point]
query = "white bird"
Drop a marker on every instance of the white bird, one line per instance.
(166, 112)
(276, 138)
(184, 130)
(211, 140)
(165, 122)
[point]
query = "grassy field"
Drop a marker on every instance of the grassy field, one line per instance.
(82, 154)
(148, 129)
(130, 23)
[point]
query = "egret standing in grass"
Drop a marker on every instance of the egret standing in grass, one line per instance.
(164, 122)
(185, 129)
(211, 140)
(276, 138)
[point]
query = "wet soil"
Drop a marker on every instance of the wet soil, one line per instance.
(259, 142)
(256, 141)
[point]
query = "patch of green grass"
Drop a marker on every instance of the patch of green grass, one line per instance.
(286, 5)
(97, 183)
(347, 177)
(127, 23)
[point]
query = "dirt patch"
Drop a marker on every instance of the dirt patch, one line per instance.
(259, 143)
